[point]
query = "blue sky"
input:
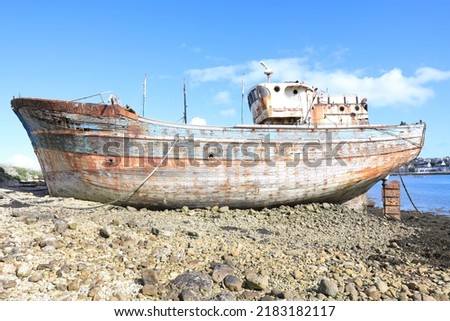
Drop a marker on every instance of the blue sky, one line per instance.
(395, 53)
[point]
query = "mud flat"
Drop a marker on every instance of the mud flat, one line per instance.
(59, 251)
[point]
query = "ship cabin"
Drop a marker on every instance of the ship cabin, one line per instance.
(295, 103)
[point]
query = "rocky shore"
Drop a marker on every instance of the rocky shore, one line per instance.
(60, 251)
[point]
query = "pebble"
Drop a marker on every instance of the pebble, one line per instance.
(220, 271)
(253, 281)
(150, 289)
(382, 286)
(106, 232)
(36, 277)
(303, 252)
(23, 271)
(232, 283)
(61, 226)
(373, 293)
(328, 287)
(9, 284)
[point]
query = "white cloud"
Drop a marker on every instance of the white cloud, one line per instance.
(222, 97)
(389, 88)
(228, 112)
(214, 73)
(195, 50)
(198, 121)
(23, 161)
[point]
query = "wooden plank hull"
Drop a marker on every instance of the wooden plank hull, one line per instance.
(104, 153)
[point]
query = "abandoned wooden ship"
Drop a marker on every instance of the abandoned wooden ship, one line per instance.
(304, 146)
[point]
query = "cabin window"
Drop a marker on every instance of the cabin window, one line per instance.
(257, 93)
(252, 96)
(263, 92)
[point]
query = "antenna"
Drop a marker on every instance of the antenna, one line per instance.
(267, 70)
(242, 98)
(185, 105)
(144, 94)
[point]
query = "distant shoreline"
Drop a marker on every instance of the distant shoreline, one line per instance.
(420, 173)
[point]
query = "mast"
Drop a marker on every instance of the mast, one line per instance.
(185, 105)
(144, 95)
(242, 98)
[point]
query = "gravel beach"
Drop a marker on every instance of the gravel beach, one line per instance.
(59, 251)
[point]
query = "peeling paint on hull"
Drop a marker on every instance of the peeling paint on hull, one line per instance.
(105, 153)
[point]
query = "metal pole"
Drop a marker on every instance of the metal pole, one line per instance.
(185, 105)
(144, 95)
(242, 98)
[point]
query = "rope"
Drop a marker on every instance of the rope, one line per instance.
(407, 193)
(99, 205)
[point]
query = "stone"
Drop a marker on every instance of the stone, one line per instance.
(150, 289)
(193, 234)
(23, 271)
(185, 210)
(35, 277)
(326, 206)
(49, 241)
(328, 287)
(72, 225)
(8, 284)
(223, 296)
(382, 286)
(73, 286)
(48, 249)
(220, 271)
(250, 295)
(223, 209)
(192, 280)
(254, 281)
(93, 291)
(403, 296)
(149, 277)
(298, 275)
(350, 288)
(119, 296)
(60, 286)
(162, 232)
(373, 293)
(232, 283)
(189, 295)
(44, 266)
(61, 226)
(106, 232)
(426, 297)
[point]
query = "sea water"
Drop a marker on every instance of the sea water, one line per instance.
(430, 193)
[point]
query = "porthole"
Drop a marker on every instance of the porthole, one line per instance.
(276, 88)
(342, 108)
(356, 108)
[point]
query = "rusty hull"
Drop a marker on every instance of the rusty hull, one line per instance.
(105, 153)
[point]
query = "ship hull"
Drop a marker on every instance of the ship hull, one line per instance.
(105, 153)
